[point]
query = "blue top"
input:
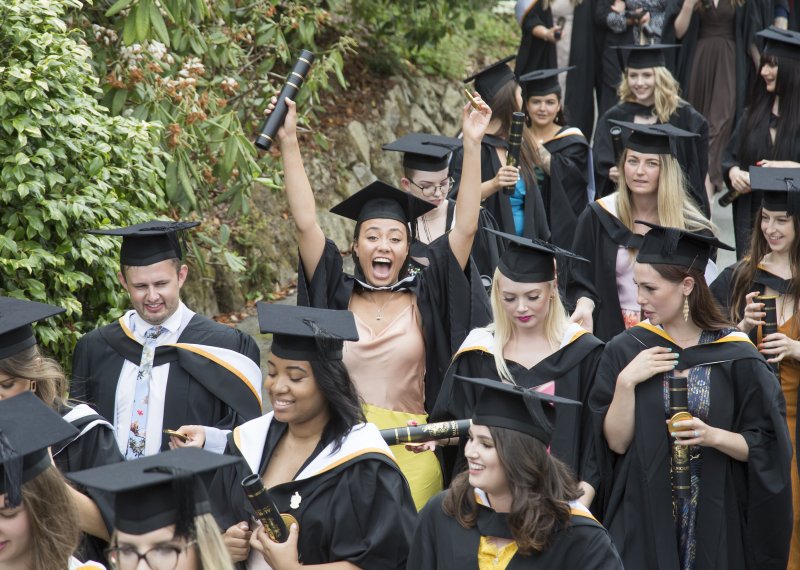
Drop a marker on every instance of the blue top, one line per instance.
(517, 200)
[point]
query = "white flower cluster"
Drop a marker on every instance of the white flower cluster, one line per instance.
(192, 66)
(159, 52)
(131, 55)
(105, 36)
(229, 86)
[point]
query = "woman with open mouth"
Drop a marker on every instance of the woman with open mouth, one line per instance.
(516, 506)
(532, 344)
(409, 325)
(709, 487)
(651, 188)
(772, 268)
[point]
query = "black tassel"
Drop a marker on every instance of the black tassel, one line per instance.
(12, 472)
(183, 494)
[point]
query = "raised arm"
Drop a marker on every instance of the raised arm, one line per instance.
(468, 203)
(310, 239)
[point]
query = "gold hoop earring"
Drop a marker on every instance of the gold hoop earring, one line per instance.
(686, 309)
(33, 386)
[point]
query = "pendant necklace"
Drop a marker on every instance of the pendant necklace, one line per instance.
(379, 314)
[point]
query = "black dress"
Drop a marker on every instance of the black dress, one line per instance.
(744, 515)
(692, 153)
(352, 504)
(440, 543)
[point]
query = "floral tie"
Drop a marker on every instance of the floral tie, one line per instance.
(138, 432)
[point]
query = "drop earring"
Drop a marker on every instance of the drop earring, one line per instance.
(686, 309)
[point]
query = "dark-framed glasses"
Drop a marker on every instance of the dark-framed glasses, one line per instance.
(443, 187)
(160, 557)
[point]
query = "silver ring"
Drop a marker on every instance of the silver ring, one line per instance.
(696, 433)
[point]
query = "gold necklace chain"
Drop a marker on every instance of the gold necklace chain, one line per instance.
(379, 314)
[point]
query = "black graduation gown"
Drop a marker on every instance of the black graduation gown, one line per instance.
(744, 513)
(498, 204)
(487, 247)
(611, 66)
(597, 238)
(451, 302)
(751, 17)
(95, 445)
(358, 510)
(572, 368)
(692, 153)
(536, 54)
(722, 286)
(199, 391)
(564, 190)
(440, 543)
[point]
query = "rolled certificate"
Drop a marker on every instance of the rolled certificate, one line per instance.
(425, 432)
(616, 141)
(514, 144)
(293, 83)
(679, 410)
(266, 511)
(771, 322)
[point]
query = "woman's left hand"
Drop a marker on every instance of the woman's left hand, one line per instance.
(697, 433)
(475, 121)
(279, 555)
(779, 346)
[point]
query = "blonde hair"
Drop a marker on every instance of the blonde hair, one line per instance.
(51, 384)
(210, 550)
(555, 322)
(52, 518)
(667, 93)
(676, 208)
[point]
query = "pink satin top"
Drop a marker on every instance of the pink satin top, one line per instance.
(388, 369)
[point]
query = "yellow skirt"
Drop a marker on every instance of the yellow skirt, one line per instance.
(422, 470)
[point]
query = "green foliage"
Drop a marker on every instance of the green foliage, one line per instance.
(206, 70)
(65, 167)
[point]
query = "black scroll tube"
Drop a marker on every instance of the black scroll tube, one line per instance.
(293, 83)
(514, 144)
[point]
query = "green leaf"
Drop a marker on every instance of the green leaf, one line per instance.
(160, 28)
(118, 102)
(118, 7)
(143, 19)
(129, 31)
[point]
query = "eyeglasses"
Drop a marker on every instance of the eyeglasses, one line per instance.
(160, 557)
(444, 187)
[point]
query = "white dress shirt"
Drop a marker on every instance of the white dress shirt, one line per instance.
(126, 386)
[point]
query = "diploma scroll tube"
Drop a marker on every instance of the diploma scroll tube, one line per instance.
(514, 144)
(679, 411)
(275, 524)
(425, 432)
(771, 322)
(294, 81)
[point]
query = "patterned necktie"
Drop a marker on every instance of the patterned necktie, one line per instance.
(138, 430)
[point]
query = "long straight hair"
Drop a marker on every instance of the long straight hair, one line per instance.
(555, 322)
(676, 209)
(541, 487)
(744, 272)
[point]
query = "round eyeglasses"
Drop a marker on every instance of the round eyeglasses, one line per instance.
(443, 187)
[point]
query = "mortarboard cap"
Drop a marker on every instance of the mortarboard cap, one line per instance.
(781, 187)
(28, 427)
(149, 242)
(429, 153)
(528, 260)
(157, 491)
(513, 407)
(673, 246)
(298, 331)
(16, 317)
(645, 56)
(781, 43)
(489, 80)
(542, 82)
(652, 139)
(381, 200)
